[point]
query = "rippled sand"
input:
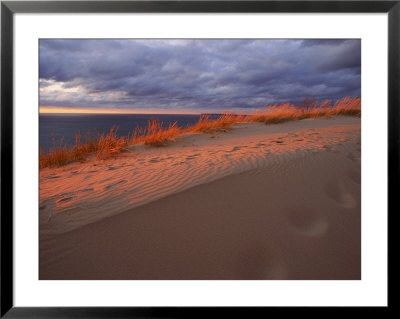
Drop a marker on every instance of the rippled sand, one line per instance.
(258, 202)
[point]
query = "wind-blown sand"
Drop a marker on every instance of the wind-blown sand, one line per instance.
(258, 202)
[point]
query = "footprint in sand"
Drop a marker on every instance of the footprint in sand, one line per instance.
(259, 262)
(53, 176)
(86, 190)
(236, 148)
(354, 176)
(64, 199)
(306, 220)
(337, 192)
(331, 148)
(67, 194)
(116, 183)
(354, 157)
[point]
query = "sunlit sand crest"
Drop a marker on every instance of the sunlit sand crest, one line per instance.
(82, 193)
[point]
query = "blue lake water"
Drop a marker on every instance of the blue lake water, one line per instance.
(63, 126)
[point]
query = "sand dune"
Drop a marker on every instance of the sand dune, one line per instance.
(259, 202)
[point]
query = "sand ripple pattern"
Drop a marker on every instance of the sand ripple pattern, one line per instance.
(83, 193)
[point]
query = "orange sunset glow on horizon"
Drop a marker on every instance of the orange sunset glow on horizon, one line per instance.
(67, 110)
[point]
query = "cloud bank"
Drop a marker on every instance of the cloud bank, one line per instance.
(195, 75)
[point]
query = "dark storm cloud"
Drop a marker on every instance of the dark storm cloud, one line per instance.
(190, 74)
(319, 42)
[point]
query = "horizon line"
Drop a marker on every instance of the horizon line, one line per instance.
(64, 110)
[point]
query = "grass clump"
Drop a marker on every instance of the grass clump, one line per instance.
(110, 144)
(274, 114)
(57, 156)
(105, 146)
(156, 135)
(221, 124)
(80, 150)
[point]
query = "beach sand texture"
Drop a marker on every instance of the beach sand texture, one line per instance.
(278, 201)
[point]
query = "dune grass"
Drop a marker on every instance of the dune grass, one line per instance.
(155, 134)
(104, 146)
(110, 144)
(221, 124)
(288, 112)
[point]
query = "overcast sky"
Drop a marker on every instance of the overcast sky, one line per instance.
(195, 75)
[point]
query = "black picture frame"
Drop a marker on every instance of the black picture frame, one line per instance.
(9, 8)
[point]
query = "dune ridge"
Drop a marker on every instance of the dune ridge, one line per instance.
(84, 193)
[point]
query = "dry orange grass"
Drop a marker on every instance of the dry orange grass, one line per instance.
(105, 146)
(80, 151)
(274, 114)
(108, 145)
(222, 123)
(288, 112)
(156, 135)
(57, 156)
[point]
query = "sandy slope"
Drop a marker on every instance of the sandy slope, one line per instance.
(260, 202)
